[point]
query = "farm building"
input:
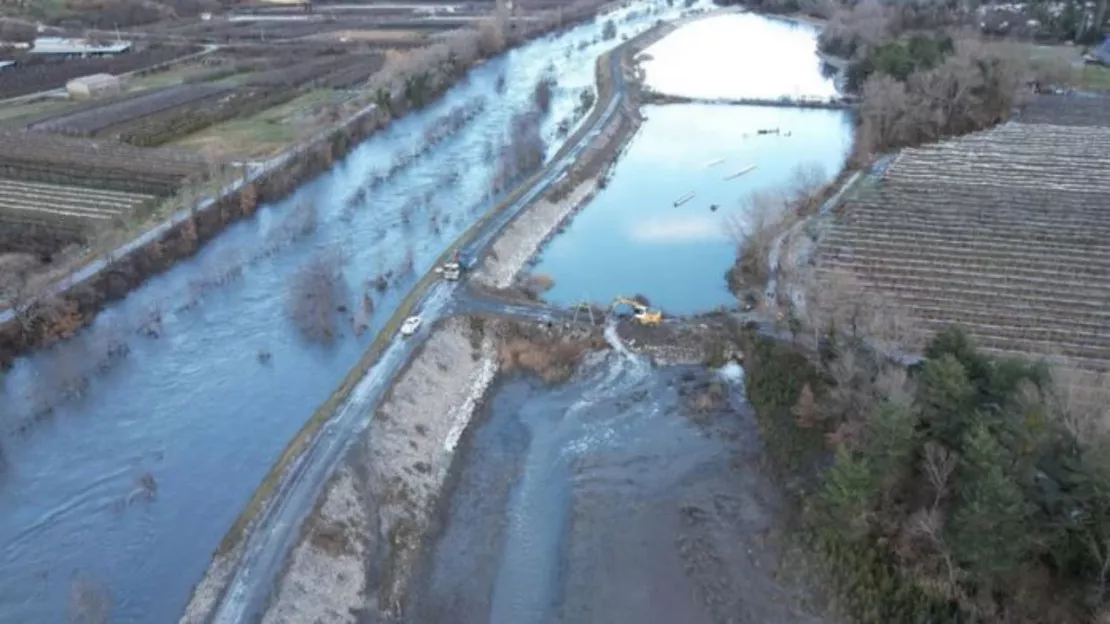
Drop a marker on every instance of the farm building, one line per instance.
(60, 47)
(94, 86)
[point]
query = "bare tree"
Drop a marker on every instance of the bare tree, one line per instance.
(938, 465)
(316, 293)
(543, 93)
(89, 603)
(754, 230)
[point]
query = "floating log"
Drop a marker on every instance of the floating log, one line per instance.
(714, 163)
(685, 198)
(740, 173)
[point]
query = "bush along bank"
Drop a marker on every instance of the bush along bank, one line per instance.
(405, 84)
(965, 489)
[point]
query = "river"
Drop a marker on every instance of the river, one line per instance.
(634, 493)
(632, 238)
(622, 496)
(127, 486)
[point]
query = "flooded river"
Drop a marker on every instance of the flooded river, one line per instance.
(622, 496)
(632, 238)
(127, 486)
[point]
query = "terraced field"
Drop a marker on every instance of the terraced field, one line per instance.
(70, 208)
(53, 159)
(1006, 232)
(1067, 111)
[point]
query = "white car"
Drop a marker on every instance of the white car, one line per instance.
(410, 326)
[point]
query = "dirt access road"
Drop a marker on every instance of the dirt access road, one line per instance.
(247, 574)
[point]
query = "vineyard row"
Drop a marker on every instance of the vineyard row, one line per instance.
(900, 270)
(1044, 267)
(1079, 237)
(989, 245)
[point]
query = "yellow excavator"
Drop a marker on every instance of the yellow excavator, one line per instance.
(640, 312)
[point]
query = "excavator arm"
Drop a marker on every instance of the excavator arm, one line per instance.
(643, 315)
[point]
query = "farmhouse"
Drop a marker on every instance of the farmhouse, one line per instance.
(1005, 232)
(94, 86)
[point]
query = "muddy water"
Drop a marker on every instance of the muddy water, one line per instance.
(609, 499)
(128, 486)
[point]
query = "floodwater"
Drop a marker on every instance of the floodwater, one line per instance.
(738, 56)
(609, 499)
(127, 487)
(632, 239)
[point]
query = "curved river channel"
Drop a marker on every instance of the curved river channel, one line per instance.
(127, 485)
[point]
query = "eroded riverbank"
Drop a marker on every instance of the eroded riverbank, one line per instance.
(359, 548)
(630, 493)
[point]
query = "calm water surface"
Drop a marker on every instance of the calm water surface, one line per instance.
(739, 55)
(632, 239)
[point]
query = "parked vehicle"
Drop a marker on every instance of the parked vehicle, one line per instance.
(411, 326)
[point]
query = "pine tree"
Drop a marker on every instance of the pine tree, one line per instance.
(990, 530)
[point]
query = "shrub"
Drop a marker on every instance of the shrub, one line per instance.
(552, 360)
(609, 31)
(316, 293)
(543, 93)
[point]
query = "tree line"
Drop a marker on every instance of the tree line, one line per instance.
(965, 488)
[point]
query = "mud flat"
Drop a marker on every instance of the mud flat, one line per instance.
(688, 341)
(627, 494)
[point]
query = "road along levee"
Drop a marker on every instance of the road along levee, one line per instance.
(238, 583)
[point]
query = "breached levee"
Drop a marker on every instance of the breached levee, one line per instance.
(372, 522)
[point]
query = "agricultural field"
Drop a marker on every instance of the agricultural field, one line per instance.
(98, 119)
(238, 86)
(1067, 111)
(71, 208)
(53, 159)
(374, 37)
(266, 133)
(56, 191)
(34, 77)
(1006, 232)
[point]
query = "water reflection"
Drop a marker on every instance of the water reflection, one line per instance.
(633, 239)
(739, 55)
